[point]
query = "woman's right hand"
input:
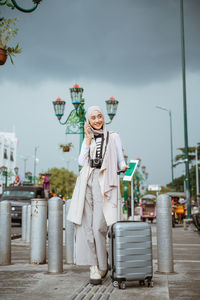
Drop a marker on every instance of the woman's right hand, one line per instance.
(87, 133)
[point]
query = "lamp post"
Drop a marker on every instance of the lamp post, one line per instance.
(76, 119)
(34, 169)
(14, 4)
(16, 170)
(187, 182)
(4, 172)
(28, 177)
(139, 177)
(171, 142)
(145, 175)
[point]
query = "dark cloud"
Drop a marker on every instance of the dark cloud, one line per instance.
(126, 41)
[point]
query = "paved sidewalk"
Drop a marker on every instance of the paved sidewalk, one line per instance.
(24, 281)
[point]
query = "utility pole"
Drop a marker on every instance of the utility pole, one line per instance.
(197, 176)
(187, 182)
(34, 172)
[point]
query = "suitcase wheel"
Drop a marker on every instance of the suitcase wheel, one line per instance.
(142, 282)
(122, 285)
(150, 283)
(115, 283)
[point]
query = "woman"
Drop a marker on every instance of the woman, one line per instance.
(94, 201)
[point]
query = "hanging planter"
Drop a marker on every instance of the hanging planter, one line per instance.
(8, 31)
(3, 56)
(66, 148)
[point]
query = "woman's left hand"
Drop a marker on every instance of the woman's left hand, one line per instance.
(125, 167)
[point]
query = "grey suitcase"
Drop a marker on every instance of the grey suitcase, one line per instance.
(130, 252)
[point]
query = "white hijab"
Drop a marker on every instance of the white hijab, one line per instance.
(90, 110)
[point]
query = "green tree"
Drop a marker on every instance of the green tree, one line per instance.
(179, 182)
(191, 154)
(62, 181)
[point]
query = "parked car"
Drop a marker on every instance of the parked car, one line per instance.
(19, 196)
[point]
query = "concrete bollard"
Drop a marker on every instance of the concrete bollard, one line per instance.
(24, 221)
(28, 224)
(164, 234)
(69, 236)
(5, 233)
(55, 235)
(38, 231)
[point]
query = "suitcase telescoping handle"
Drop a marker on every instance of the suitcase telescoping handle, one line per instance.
(119, 196)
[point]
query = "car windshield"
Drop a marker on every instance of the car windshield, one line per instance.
(23, 194)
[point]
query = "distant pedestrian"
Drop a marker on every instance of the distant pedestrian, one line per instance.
(94, 201)
(17, 181)
(46, 186)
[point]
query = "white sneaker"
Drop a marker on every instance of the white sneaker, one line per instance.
(95, 277)
(103, 273)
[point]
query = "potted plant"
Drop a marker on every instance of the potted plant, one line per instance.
(8, 31)
(66, 148)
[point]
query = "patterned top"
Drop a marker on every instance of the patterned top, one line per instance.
(99, 143)
(120, 158)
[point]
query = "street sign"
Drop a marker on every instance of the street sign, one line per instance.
(129, 172)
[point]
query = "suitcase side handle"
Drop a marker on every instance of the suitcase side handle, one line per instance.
(112, 236)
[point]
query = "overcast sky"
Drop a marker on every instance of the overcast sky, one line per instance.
(128, 49)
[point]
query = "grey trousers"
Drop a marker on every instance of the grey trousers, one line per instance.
(90, 236)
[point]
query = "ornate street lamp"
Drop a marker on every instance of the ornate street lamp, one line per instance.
(139, 161)
(59, 108)
(111, 106)
(28, 176)
(140, 177)
(4, 172)
(16, 170)
(143, 169)
(76, 93)
(76, 119)
(14, 4)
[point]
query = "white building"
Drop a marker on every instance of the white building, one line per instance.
(8, 149)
